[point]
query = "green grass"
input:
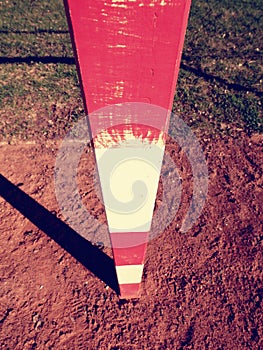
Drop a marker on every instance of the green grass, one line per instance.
(219, 88)
(220, 83)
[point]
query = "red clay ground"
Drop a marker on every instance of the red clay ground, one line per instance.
(201, 290)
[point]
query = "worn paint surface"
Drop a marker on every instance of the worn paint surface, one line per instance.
(128, 51)
(116, 135)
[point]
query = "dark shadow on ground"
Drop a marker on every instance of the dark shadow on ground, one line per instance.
(211, 77)
(88, 255)
(70, 61)
(214, 78)
(38, 59)
(37, 31)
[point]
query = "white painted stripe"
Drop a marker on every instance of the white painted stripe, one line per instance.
(129, 273)
(129, 178)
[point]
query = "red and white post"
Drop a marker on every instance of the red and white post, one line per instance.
(128, 54)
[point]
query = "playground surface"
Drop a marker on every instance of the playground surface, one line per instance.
(200, 290)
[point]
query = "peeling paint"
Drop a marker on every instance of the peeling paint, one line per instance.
(129, 3)
(119, 89)
(120, 5)
(115, 136)
(132, 35)
(117, 46)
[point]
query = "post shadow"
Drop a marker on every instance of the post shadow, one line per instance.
(38, 59)
(99, 263)
(71, 61)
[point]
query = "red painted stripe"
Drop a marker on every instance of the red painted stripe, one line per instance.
(129, 256)
(128, 239)
(128, 51)
(129, 248)
(130, 291)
